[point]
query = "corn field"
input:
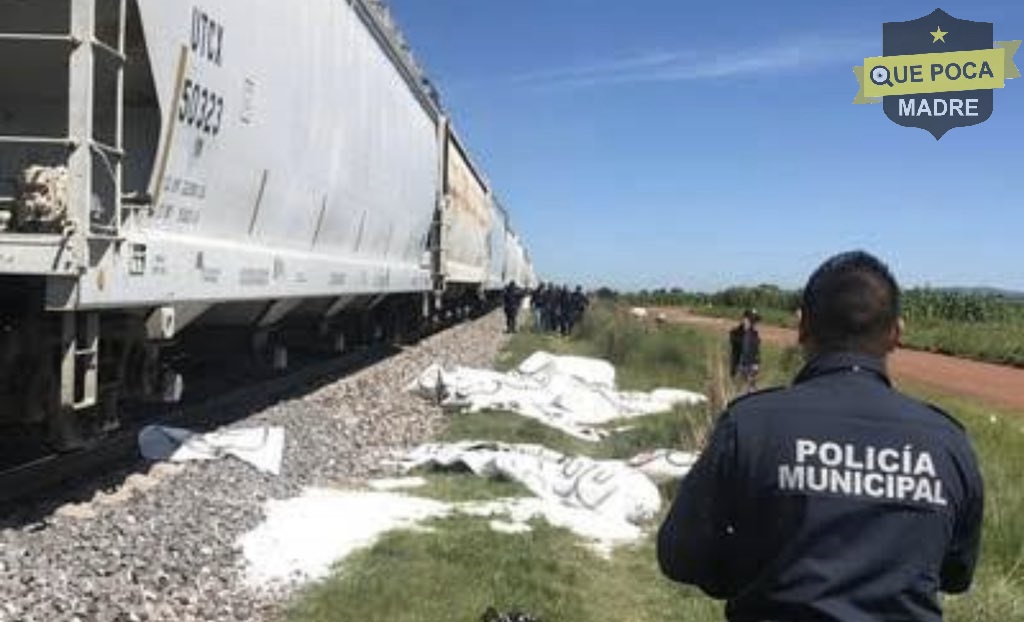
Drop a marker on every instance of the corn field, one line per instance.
(917, 304)
(924, 304)
(980, 326)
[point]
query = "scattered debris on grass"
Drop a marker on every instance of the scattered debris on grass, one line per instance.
(261, 447)
(302, 538)
(492, 615)
(663, 465)
(607, 487)
(602, 533)
(569, 393)
(606, 503)
(502, 526)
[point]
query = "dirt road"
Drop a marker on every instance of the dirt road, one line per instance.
(996, 385)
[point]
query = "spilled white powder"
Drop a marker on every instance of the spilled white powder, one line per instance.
(502, 526)
(302, 538)
(400, 483)
(600, 531)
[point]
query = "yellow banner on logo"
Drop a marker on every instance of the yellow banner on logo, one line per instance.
(944, 72)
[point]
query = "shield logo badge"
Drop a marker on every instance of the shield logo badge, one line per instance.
(936, 33)
(937, 72)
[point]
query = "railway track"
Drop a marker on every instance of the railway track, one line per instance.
(161, 542)
(43, 476)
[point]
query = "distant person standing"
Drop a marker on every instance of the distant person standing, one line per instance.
(538, 303)
(550, 308)
(745, 351)
(510, 300)
(564, 311)
(578, 303)
(735, 349)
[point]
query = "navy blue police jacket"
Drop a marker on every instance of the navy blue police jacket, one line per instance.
(836, 498)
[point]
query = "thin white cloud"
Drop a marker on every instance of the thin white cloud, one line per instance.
(687, 65)
(625, 66)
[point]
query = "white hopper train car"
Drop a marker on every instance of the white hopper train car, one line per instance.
(168, 168)
(517, 263)
(466, 215)
(496, 246)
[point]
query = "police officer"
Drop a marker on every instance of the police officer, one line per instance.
(564, 312)
(511, 300)
(539, 305)
(550, 308)
(578, 303)
(837, 498)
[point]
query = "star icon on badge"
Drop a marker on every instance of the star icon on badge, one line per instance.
(938, 35)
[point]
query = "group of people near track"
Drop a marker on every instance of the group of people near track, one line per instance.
(553, 308)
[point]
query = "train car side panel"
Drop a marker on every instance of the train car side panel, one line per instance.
(466, 220)
(497, 238)
(294, 165)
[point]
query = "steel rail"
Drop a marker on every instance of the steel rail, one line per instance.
(44, 474)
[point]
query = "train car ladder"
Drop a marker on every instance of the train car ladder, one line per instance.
(80, 346)
(86, 153)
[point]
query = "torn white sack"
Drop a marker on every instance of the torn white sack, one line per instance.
(663, 465)
(607, 487)
(571, 394)
(261, 447)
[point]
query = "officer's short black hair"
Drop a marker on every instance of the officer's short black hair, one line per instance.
(851, 302)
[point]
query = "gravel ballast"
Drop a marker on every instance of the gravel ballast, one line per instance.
(163, 546)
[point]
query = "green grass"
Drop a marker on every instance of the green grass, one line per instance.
(998, 439)
(672, 429)
(459, 567)
(775, 317)
(995, 342)
(509, 428)
(680, 428)
(455, 486)
(646, 355)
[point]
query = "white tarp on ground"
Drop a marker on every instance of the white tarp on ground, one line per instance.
(663, 465)
(602, 502)
(261, 447)
(607, 487)
(571, 394)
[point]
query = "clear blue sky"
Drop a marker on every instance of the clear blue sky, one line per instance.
(701, 144)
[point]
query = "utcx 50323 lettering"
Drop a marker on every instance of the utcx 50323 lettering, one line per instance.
(201, 108)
